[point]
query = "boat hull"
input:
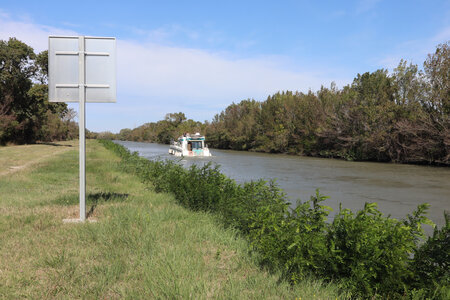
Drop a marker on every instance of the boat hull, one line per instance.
(178, 151)
(188, 145)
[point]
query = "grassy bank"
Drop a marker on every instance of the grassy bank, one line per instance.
(143, 244)
(370, 254)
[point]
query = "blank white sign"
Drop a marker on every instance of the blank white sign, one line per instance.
(100, 69)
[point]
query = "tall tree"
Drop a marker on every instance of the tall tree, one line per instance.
(24, 108)
(16, 71)
(437, 70)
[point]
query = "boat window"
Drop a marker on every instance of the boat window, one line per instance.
(196, 144)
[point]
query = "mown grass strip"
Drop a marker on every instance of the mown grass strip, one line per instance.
(14, 158)
(144, 244)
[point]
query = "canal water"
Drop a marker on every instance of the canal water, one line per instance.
(397, 189)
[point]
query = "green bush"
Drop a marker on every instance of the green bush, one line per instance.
(431, 264)
(292, 240)
(369, 254)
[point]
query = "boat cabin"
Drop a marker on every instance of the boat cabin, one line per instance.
(190, 145)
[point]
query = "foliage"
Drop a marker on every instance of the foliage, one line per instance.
(25, 113)
(144, 245)
(437, 70)
(398, 117)
(431, 266)
(367, 253)
(173, 125)
(370, 251)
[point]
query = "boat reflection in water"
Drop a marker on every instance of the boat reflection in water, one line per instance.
(188, 145)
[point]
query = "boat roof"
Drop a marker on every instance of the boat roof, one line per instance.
(196, 137)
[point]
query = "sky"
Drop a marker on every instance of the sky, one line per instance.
(198, 57)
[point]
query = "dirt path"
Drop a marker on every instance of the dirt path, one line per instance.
(16, 158)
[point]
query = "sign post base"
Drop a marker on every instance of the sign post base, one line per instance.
(66, 221)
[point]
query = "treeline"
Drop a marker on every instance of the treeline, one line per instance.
(398, 117)
(173, 126)
(369, 255)
(26, 116)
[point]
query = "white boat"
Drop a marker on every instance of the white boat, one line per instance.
(188, 145)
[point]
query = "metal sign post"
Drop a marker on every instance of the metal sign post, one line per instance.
(82, 126)
(82, 69)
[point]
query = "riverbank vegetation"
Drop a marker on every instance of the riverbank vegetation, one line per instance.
(143, 245)
(367, 253)
(401, 116)
(26, 116)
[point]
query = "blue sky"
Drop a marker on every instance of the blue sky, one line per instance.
(200, 56)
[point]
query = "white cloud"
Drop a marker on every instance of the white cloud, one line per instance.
(391, 62)
(202, 76)
(415, 51)
(442, 36)
(161, 79)
(366, 5)
(3, 14)
(35, 35)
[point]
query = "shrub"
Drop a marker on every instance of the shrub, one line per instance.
(431, 264)
(368, 253)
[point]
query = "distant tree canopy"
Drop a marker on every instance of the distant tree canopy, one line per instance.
(399, 117)
(173, 125)
(26, 116)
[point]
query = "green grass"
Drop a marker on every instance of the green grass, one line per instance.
(14, 158)
(143, 244)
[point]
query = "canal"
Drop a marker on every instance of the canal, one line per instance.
(397, 189)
